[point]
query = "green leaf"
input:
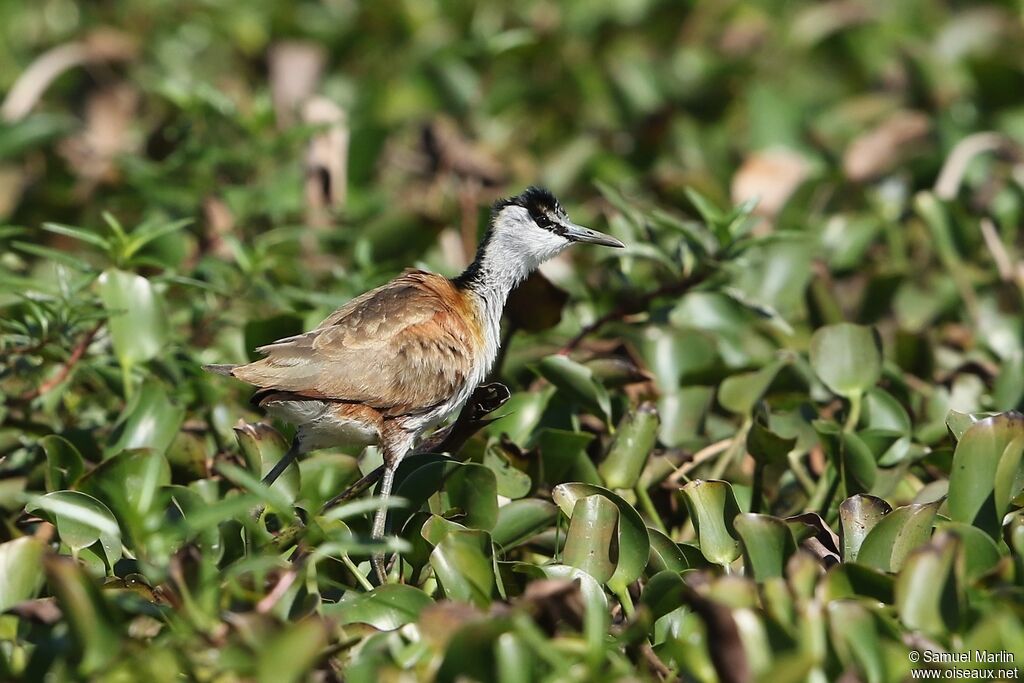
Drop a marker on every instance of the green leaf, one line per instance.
(150, 420)
(130, 482)
(577, 381)
(94, 628)
(856, 639)
(591, 544)
(473, 489)
(64, 464)
(520, 520)
(81, 520)
(767, 544)
(1009, 479)
(972, 480)
(665, 554)
(323, 475)
(634, 543)
(463, 565)
(850, 455)
(79, 234)
(290, 654)
(893, 538)
(511, 482)
(663, 593)
(386, 608)
(928, 595)
(980, 553)
(560, 450)
(634, 441)
(739, 393)
(713, 508)
(21, 570)
(138, 325)
(858, 515)
(847, 358)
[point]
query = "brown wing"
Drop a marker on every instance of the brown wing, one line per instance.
(401, 347)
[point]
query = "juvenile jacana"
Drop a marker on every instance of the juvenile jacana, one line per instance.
(397, 360)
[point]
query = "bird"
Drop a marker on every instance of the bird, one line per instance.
(396, 361)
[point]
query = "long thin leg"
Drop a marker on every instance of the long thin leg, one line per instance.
(395, 445)
(287, 459)
(380, 519)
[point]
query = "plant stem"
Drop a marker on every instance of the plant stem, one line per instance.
(648, 507)
(854, 417)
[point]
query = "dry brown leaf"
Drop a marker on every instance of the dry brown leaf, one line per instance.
(882, 148)
(772, 175)
(92, 152)
(104, 45)
(295, 70)
(326, 160)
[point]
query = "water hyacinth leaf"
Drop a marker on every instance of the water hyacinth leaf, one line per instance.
(663, 593)
(898, 534)
(975, 464)
(577, 381)
(767, 544)
(150, 420)
(464, 567)
(682, 414)
(187, 456)
(634, 440)
(81, 520)
(437, 527)
(766, 446)
(928, 595)
(559, 451)
(262, 447)
(386, 607)
(591, 544)
(850, 455)
(847, 358)
(679, 357)
(288, 655)
(634, 543)
(958, 423)
(64, 464)
(520, 520)
(323, 475)
(980, 553)
(138, 324)
(94, 629)
(740, 393)
(473, 489)
(21, 570)
(665, 555)
(511, 482)
(883, 411)
(519, 416)
(713, 508)
(1009, 479)
(858, 515)
(855, 635)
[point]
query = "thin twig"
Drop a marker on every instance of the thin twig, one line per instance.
(274, 596)
(76, 355)
(635, 305)
(701, 456)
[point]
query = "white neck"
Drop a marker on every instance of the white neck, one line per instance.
(513, 249)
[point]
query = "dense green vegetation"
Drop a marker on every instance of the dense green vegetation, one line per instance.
(771, 440)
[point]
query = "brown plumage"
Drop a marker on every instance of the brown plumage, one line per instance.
(396, 361)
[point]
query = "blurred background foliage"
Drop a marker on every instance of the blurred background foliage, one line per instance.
(773, 439)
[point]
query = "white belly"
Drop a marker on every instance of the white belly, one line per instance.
(319, 427)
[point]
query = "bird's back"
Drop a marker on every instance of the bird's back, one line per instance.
(404, 348)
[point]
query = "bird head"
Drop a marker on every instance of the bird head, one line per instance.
(534, 227)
